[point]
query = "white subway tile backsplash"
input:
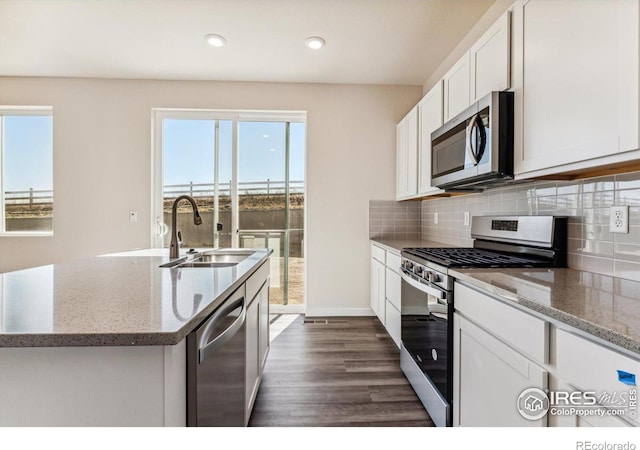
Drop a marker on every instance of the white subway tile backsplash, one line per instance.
(396, 220)
(602, 183)
(626, 269)
(597, 265)
(591, 246)
(627, 252)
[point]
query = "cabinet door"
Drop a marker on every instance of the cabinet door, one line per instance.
(392, 322)
(263, 339)
(456, 88)
(378, 289)
(491, 60)
(375, 284)
(253, 364)
(576, 420)
(401, 159)
(488, 378)
(393, 287)
(579, 82)
(380, 268)
(407, 157)
(430, 112)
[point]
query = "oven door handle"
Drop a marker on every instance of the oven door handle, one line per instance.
(437, 293)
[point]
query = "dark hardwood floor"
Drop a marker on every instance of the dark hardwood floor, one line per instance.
(342, 373)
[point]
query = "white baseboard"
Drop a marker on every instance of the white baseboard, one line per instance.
(338, 312)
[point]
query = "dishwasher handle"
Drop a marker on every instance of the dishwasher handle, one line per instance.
(206, 349)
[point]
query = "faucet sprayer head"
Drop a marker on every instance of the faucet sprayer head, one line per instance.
(196, 217)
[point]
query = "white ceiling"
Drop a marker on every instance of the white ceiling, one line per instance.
(368, 41)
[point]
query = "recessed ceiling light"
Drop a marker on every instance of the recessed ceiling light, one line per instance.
(215, 40)
(314, 42)
(272, 149)
(265, 136)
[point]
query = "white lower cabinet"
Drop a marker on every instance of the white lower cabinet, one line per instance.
(392, 322)
(377, 288)
(263, 338)
(385, 289)
(257, 334)
(599, 419)
(607, 375)
(252, 368)
(489, 376)
(501, 350)
(392, 305)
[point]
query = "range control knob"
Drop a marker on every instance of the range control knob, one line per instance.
(418, 270)
(408, 265)
(434, 277)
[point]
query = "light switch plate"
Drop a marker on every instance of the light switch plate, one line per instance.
(435, 217)
(467, 218)
(619, 219)
(133, 216)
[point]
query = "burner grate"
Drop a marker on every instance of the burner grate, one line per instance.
(473, 257)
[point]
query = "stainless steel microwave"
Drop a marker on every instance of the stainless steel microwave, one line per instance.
(474, 150)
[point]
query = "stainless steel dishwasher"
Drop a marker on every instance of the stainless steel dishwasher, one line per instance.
(216, 367)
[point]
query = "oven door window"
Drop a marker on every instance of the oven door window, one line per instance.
(425, 334)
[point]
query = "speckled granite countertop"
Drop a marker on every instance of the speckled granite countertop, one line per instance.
(120, 299)
(603, 306)
(396, 245)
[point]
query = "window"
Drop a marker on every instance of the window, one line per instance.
(26, 171)
(245, 170)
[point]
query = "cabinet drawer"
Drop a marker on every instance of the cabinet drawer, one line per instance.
(378, 253)
(522, 331)
(592, 367)
(393, 262)
(393, 288)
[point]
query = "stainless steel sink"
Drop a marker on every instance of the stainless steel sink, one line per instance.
(222, 256)
(211, 258)
(207, 264)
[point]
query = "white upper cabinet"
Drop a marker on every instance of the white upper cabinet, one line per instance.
(578, 83)
(430, 118)
(456, 88)
(490, 60)
(407, 156)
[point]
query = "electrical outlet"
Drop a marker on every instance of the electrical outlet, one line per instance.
(435, 217)
(467, 218)
(619, 219)
(133, 216)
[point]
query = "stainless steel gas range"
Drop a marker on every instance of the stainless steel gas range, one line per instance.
(427, 303)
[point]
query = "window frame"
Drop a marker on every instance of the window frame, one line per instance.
(6, 110)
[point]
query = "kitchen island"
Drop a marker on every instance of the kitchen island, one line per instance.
(101, 341)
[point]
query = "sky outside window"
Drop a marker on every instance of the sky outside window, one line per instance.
(189, 151)
(28, 153)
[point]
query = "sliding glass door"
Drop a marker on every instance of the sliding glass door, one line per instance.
(246, 173)
(271, 211)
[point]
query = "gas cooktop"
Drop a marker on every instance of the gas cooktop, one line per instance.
(504, 241)
(474, 257)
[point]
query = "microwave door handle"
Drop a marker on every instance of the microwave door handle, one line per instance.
(470, 150)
